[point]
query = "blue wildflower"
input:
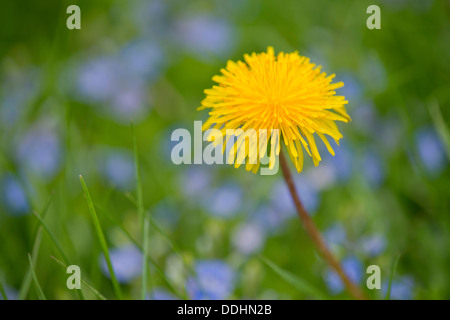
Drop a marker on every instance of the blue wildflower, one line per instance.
(117, 167)
(431, 150)
(204, 34)
(353, 268)
(161, 294)
(224, 201)
(401, 288)
(373, 245)
(39, 151)
(13, 195)
(248, 238)
(373, 168)
(126, 262)
(214, 280)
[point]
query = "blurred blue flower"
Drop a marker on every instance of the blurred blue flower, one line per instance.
(195, 181)
(248, 238)
(205, 34)
(117, 167)
(143, 58)
(401, 289)
(225, 201)
(17, 89)
(283, 203)
(373, 168)
(281, 199)
(39, 151)
(352, 89)
(322, 177)
(365, 119)
(98, 79)
(114, 86)
(374, 245)
(214, 280)
(165, 213)
(341, 162)
(269, 219)
(13, 195)
(150, 17)
(166, 144)
(335, 235)
(431, 150)
(161, 294)
(126, 262)
(11, 293)
(353, 268)
(129, 103)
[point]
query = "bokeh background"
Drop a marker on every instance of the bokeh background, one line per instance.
(67, 98)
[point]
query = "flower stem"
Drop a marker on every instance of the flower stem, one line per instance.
(314, 232)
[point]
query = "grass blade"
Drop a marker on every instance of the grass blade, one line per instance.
(145, 227)
(101, 239)
(58, 247)
(158, 269)
(23, 291)
(166, 237)
(391, 277)
(302, 285)
(40, 293)
(145, 264)
(96, 292)
(157, 228)
(3, 292)
(53, 238)
(24, 288)
(440, 125)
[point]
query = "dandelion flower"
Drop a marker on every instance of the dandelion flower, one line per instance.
(285, 92)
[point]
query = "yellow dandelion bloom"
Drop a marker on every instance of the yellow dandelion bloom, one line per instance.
(285, 92)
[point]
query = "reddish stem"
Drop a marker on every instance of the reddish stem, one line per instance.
(314, 232)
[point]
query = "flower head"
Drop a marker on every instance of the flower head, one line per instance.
(284, 92)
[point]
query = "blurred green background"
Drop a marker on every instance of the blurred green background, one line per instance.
(67, 98)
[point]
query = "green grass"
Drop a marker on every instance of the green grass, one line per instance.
(158, 269)
(300, 284)
(102, 240)
(144, 223)
(23, 291)
(39, 291)
(391, 276)
(58, 247)
(3, 292)
(53, 238)
(94, 291)
(439, 123)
